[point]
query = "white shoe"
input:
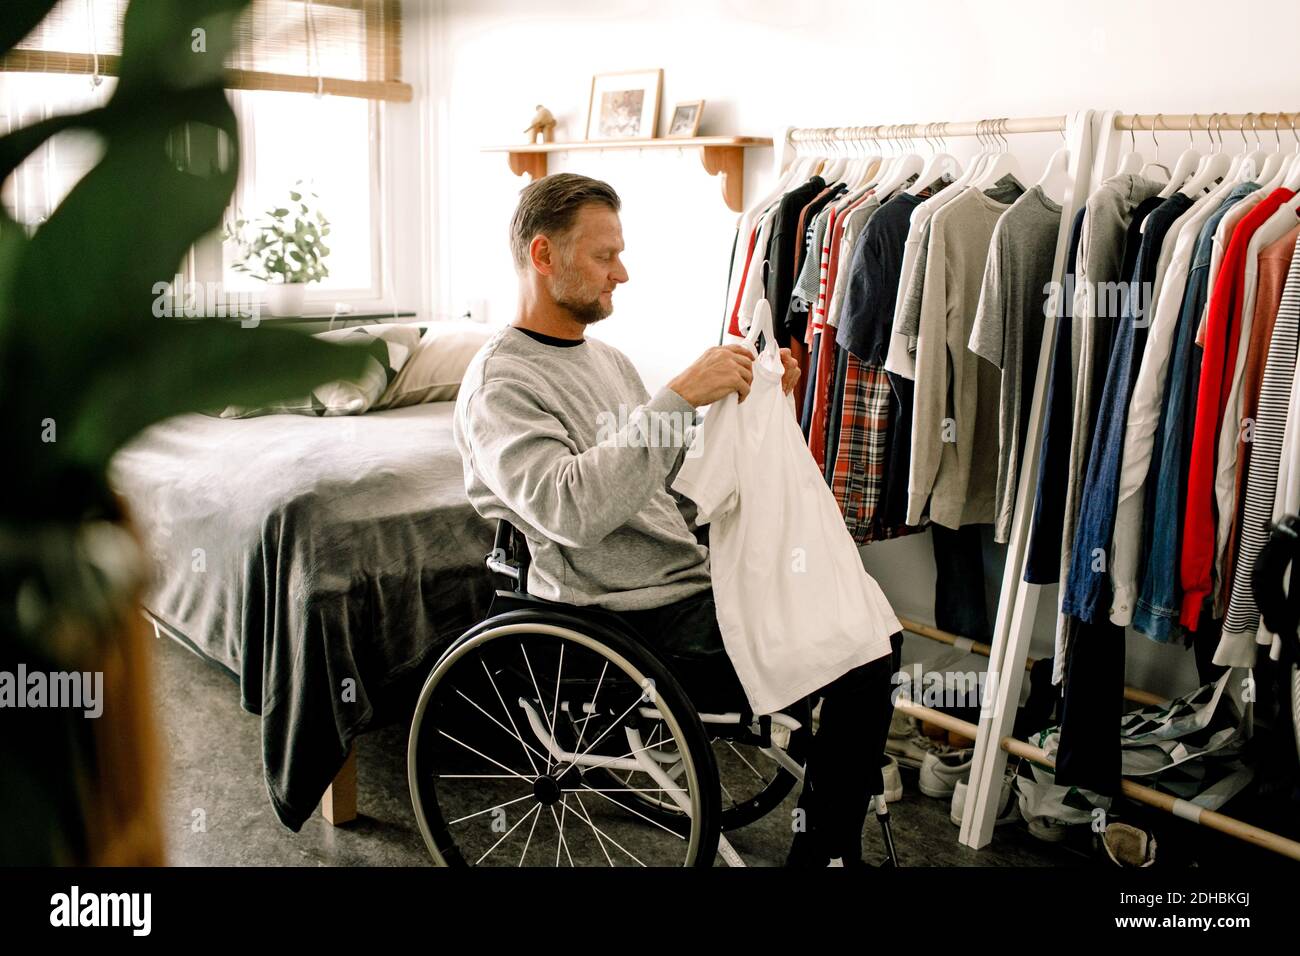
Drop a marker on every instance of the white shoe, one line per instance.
(1047, 829)
(1008, 809)
(941, 771)
(912, 751)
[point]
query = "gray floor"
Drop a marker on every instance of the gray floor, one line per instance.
(218, 813)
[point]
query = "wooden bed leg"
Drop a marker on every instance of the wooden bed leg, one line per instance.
(339, 805)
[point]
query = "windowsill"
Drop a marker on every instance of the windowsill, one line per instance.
(342, 320)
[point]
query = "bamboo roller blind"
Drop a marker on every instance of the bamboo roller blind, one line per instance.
(356, 50)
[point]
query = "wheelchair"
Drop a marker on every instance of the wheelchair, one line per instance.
(552, 735)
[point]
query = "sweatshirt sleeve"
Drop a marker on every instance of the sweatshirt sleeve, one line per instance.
(521, 451)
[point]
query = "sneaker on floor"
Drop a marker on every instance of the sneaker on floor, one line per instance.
(912, 751)
(1129, 846)
(1008, 809)
(901, 726)
(941, 771)
(1047, 829)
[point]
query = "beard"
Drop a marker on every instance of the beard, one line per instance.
(581, 303)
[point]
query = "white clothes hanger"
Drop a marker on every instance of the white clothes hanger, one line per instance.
(964, 178)
(1272, 173)
(839, 164)
(863, 173)
(1000, 164)
(1131, 162)
(907, 165)
(1055, 181)
(883, 163)
(799, 169)
(1291, 178)
(1213, 169)
(980, 159)
(939, 165)
(1153, 169)
(1254, 158)
(1187, 164)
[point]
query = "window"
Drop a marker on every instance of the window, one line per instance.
(306, 78)
(329, 143)
(39, 184)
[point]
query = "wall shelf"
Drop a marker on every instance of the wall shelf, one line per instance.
(722, 156)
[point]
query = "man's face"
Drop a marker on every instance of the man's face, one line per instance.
(586, 264)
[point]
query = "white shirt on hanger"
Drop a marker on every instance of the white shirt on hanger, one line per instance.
(795, 606)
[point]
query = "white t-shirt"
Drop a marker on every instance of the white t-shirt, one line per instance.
(795, 606)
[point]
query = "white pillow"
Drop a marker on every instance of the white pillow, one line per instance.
(392, 345)
(435, 371)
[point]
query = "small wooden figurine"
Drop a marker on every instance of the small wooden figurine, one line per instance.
(543, 125)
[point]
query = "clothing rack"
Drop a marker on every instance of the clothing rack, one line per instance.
(985, 127)
(1018, 606)
(1092, 140)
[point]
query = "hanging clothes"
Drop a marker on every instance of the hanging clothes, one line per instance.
(1043, 553)
(869, 408)
(1159, 593)
(1008, 328)
(1087, 589)
(1142, 440)
(955, 406)
(1227, 461)
(1104, 249)
(1094, 676)
(1242, 631)
(1222, 338)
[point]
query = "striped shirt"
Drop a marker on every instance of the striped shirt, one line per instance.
(1242, 621)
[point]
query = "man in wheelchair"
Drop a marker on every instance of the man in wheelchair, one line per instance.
(549, 425)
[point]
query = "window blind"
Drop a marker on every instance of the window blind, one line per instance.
(333, 47)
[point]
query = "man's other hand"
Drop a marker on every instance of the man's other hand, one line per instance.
(791, 377)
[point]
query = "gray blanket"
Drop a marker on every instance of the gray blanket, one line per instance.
(318, 559)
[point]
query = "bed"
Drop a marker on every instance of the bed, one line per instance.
(318, 560)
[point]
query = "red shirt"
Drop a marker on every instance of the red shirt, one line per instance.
(1222, 335)
(733, 326)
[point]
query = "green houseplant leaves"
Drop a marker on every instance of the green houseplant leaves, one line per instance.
(80, 349)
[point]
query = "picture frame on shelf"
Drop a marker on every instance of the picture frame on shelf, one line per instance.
(624, 105)
(685, 121)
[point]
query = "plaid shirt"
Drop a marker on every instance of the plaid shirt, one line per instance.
(862, 451)
(860, 459)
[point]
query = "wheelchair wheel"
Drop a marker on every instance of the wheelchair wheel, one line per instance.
(513, 737)
(753, 773)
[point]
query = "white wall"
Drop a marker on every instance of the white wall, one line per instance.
(761, 66)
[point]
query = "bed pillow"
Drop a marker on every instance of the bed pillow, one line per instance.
(434, 372)
(391, 346)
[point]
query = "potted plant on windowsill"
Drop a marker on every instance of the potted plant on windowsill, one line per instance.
(286, 250)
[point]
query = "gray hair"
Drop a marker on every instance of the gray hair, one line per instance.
(549, 206)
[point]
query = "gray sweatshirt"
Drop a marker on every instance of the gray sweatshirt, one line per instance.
(567, 445)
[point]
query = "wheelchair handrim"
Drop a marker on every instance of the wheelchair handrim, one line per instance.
(475, 640)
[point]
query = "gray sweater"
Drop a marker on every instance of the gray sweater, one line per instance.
(566, 444)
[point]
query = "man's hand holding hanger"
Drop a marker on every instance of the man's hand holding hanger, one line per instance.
(724, 369)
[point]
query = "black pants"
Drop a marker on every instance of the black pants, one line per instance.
(843, 767)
